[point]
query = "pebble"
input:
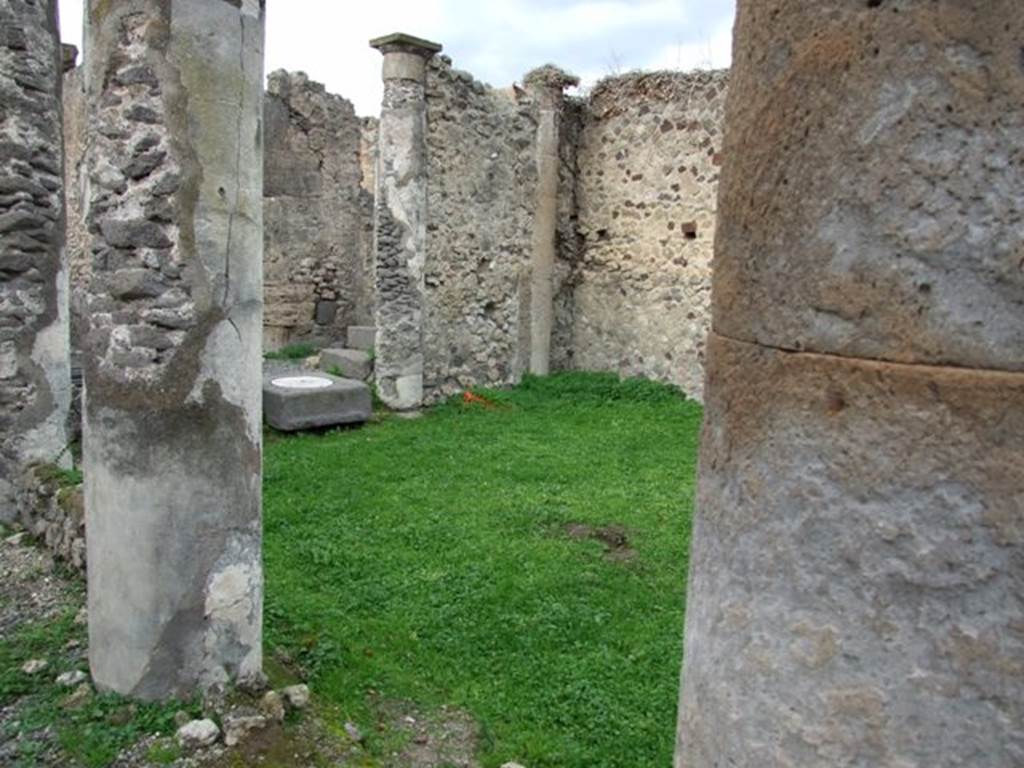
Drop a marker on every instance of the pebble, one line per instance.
(198, 733)
(71, 679)
(273, 705)
(297, 696)
(34, 666)
(353, 732)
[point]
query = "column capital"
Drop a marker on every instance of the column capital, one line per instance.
(405, 56)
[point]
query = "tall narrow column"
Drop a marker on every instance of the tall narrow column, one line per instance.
(547, 86)
(856, 591)
(35, 383)
(173, 403)
(400, 220)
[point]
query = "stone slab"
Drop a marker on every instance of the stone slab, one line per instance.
(857, 565)
(328, 402)
(353, 363)
(399, 41)
(362, 337)
(879, 219)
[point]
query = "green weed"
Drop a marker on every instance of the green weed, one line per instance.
(292, 352)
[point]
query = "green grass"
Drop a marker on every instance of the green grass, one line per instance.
(426, 561)
(292, 352)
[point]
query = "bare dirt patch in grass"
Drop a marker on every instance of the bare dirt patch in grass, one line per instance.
(614, 537)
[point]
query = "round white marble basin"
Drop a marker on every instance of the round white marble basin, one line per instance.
(301, 382)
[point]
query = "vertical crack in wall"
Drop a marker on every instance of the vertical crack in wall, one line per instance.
(234, 202)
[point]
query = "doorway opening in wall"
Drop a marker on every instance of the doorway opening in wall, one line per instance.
(499, 580)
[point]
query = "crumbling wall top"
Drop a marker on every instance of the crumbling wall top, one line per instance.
(550, 76)
(609, 95)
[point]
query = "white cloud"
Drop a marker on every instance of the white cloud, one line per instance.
(713, 52)
(497, 40)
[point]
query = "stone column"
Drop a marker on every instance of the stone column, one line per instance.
(400, 220)
(35, 386)
(172, 368)
(856, 591)
(547, 87)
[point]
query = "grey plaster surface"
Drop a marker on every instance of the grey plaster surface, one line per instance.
(172, 432)
(547, 89)
(341, 401)
(400, 229)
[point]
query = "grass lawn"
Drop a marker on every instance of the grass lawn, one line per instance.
(449, 561)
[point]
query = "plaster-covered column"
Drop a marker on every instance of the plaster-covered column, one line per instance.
(173, 385)
(547, 86)
(35, 386)
(856, 591)
(400, 220)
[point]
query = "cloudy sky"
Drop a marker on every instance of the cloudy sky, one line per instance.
(497, 40)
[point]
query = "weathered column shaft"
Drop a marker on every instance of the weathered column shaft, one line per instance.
(35, 387)
(400, 220)
(546, 85)
(857, 564)
(172, 436)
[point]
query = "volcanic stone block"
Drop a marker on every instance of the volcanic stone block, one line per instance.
(326, 311)
(172, 433)
(361, 337)
(306, 401)
(35, 378)
(353, 363)
(923, 266)
(857, 565)
(858, 545)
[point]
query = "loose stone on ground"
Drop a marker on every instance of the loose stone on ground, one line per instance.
(198, 734)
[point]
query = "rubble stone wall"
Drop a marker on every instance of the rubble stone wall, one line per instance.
(481, 195)
(52, 510)
(35, 385)
(649, 151)
(636, 222)
(637, 191)
(317, 213)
